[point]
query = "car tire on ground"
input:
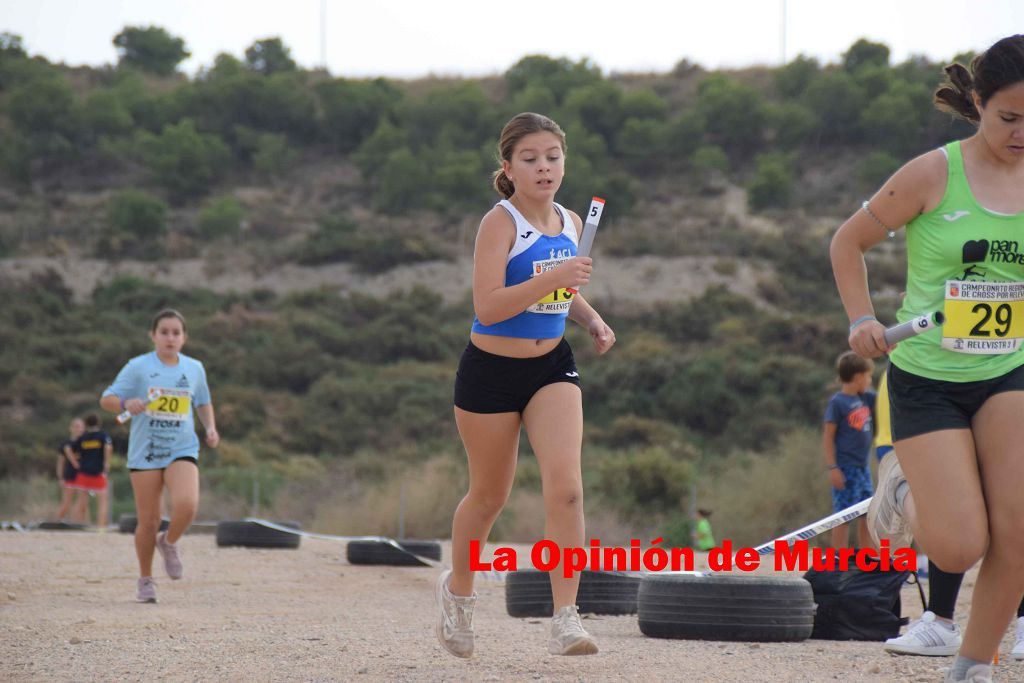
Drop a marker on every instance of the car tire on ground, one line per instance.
(723, 607)
(528, 593)
(381, 552)
(254, 535)
(126, 524)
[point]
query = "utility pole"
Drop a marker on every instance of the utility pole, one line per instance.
(323, 34)
(782, 34)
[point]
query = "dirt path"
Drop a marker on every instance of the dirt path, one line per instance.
(67, 613)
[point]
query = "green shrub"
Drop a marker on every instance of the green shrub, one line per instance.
(221, 217)
(772, 185)
(645, 481)
(136, 220)
(183, 160)
(150, 49)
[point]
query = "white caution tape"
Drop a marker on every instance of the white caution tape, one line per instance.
(491, 575)
(817, 528)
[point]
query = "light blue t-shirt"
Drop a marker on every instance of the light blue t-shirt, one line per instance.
(166, 430)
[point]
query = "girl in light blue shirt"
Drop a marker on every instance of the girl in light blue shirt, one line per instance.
(162, 391)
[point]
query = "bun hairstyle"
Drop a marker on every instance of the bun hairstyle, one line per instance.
(999, 66)
(518, 127)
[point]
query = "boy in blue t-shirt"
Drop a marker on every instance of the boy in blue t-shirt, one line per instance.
(847, 436)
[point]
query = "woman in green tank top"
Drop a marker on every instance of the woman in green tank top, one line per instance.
(956, 392)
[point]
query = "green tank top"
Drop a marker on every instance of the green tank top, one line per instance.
(968, 262)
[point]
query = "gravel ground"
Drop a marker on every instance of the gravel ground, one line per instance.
(67, 612)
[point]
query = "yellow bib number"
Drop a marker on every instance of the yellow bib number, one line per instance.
(558, 301)
(983, 317)
(170, 404)
(557, 297)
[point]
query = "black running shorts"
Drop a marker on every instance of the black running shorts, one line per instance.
(920, 405)
(488, 383)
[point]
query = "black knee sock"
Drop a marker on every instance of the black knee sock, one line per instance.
(943, 588)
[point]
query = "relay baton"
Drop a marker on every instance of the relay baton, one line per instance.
(151, 395)
(920, 324)
(590, 229)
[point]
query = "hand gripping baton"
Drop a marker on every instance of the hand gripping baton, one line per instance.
(590, 229)
(151, 395)
(920, 324)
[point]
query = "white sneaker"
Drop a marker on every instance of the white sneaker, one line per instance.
(926, 637)
(1018, 647)
(568, 636)
(979, 673)
(454, 619)
(885, 517)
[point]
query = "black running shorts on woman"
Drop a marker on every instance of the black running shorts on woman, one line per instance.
(920, 405)
(489, 383)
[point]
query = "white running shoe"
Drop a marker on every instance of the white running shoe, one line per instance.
(454, 619)
(979, 673)
(568, 636)
(926, 637)
(146, 589)
(1018, 647)
(885, 517)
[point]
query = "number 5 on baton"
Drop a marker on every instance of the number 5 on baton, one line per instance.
(151, 395)
(590, 229)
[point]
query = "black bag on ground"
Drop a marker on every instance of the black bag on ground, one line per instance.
(857, 605)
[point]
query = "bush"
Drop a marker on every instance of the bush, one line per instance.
(269, 56)
(184, 160)
(710, 159)
(733, 113)
(136, 220)
(273, 156)
(891, 121)
(559, 76)
(838, 101)
(772, 185)
(792, 79)
(645, 481)
(150, 49)
(221, 217)
(353, 109)
(794, 124)
(876, 168)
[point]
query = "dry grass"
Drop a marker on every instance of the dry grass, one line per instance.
(759, 497)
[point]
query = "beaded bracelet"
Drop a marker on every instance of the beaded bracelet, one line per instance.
(889, 231)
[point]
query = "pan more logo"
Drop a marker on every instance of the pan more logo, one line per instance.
(993, 251)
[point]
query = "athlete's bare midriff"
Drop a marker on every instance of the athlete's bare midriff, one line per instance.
(513, 347)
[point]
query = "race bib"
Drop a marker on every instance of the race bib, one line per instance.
(558, 301)
(983, 317)
(169, 404)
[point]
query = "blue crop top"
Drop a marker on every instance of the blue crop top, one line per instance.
(532, 254)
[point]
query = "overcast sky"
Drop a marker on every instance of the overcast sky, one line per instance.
(475, 37)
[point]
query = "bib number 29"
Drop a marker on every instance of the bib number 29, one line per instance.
(1002, 316)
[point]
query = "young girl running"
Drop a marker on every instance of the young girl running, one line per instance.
(956, 393)
(518, 371)
(160, 389)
